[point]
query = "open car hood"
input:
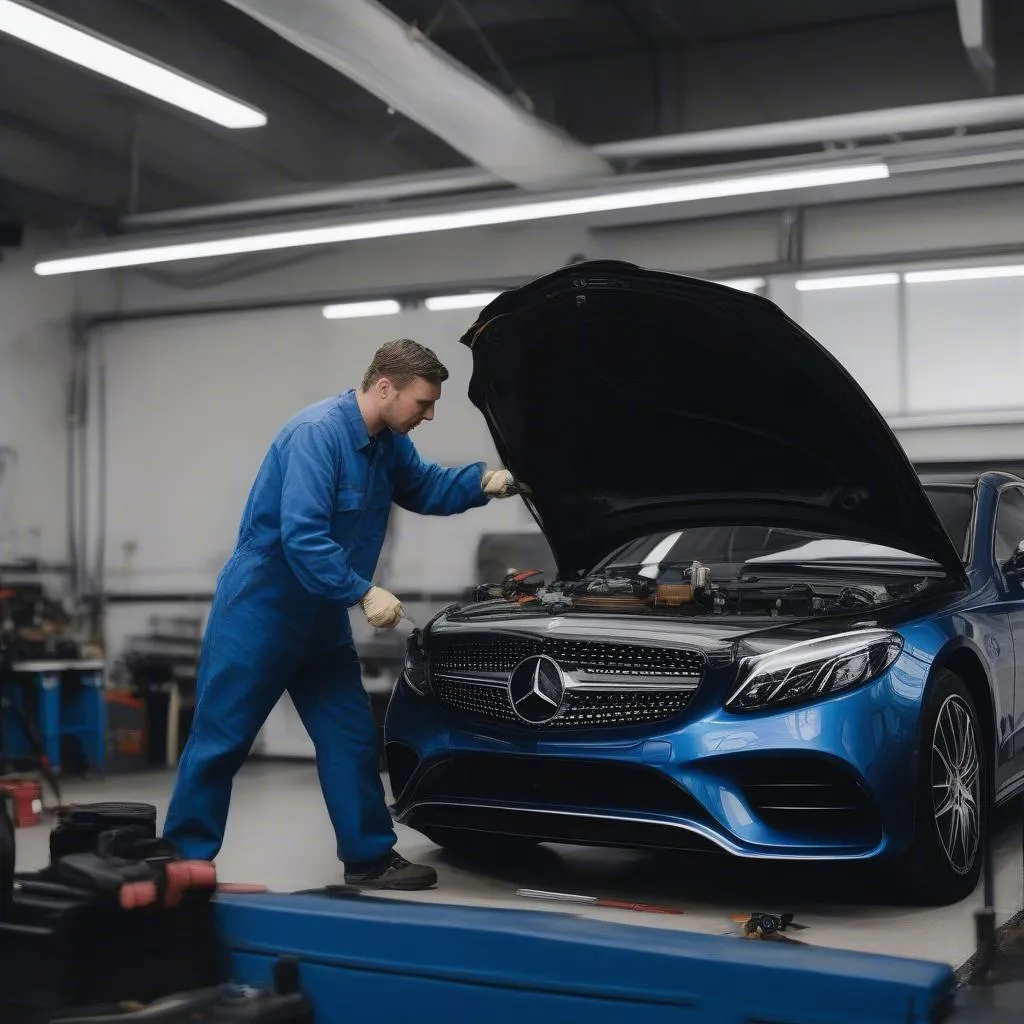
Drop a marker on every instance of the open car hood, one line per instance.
(632, 401)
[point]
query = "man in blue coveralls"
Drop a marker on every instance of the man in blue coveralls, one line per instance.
(307, 548)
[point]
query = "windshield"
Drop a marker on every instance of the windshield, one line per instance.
(728, 548)
(955, 505)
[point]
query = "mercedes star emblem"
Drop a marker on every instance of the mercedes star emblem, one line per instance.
(536, 688)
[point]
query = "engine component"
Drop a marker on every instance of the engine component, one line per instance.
(514, 587)
(689, 590)
(611, 593)
(696, 588)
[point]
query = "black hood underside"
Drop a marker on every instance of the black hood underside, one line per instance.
(632, 401)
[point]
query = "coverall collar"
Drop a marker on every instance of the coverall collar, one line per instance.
(355, 419)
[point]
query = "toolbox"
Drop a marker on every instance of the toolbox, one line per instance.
(79, 826)
(61, 947)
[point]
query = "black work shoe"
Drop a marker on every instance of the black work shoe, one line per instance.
(393, 872)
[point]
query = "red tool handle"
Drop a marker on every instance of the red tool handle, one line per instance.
(649, 908)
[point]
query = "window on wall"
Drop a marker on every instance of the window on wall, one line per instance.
(965, 344)
(860, 327)
(1009, 523)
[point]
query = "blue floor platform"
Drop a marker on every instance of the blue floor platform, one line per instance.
(373, 959)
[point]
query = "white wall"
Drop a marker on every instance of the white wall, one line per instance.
(193, 403)
(35, 362)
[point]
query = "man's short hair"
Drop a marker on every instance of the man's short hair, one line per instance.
(402, 361)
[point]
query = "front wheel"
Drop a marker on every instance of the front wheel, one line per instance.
(951, 798)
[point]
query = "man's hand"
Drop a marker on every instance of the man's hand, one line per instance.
(498, 483)
(381, 608)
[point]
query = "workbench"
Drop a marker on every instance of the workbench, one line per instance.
(64, 698)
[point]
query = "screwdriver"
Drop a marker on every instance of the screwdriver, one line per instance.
(596, 901)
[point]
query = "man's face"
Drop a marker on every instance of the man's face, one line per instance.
(404, 409)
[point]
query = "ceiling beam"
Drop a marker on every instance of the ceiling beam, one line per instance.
(975, 17)
(46, 166)
(377, 50)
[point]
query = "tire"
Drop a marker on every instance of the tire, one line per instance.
(485, 845)
(950, 823)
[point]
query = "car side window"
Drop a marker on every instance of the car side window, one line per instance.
(1009, 523)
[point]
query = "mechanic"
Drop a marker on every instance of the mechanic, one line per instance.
(307, 548)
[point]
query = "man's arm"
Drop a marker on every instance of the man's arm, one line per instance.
(307, 504)
(433, 490)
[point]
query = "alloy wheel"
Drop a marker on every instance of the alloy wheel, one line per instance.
(956, 784)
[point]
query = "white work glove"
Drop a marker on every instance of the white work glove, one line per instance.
(498, 483)
(381, 608)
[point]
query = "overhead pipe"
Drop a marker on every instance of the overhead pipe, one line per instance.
(808, 131)
(835, 128)
(398, 186)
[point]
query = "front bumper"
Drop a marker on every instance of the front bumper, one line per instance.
(832, 780)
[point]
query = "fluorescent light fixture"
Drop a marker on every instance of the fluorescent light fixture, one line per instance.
(471, 300)
(350, 310)
(963, 274)
(33, 26)
(745, 284)
(510, 213)
(827, 284)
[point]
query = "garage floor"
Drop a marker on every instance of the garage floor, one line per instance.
(279, 834)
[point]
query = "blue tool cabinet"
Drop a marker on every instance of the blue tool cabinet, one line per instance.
(373, 959)
(64, 698)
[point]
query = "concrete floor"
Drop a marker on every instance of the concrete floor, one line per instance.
(279, 835)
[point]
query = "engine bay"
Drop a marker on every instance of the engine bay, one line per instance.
(693, 590)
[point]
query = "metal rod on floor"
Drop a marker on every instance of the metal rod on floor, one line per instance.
(985, 919)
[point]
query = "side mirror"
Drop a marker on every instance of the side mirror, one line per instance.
(1014, 565)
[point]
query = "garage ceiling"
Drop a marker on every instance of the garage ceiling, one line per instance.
(78, 152)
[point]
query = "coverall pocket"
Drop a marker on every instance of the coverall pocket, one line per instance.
(348, 503)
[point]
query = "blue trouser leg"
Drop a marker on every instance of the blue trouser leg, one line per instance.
(335, 710)
(235, 694)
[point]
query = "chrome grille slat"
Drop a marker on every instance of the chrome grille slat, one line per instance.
(604, 658)
(483, 654)
(597, 657)
(588, 709)
(581, 709)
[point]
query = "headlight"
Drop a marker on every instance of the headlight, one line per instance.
(814, 669)
(415, 668)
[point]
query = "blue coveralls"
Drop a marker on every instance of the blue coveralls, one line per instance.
(307, 548)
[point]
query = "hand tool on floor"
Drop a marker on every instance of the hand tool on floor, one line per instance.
(597, 901)
(767, 926)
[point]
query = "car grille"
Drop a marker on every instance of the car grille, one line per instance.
(503, 653)
(456, 660)
(580, 710)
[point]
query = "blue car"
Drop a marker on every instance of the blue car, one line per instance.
(766, 635)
